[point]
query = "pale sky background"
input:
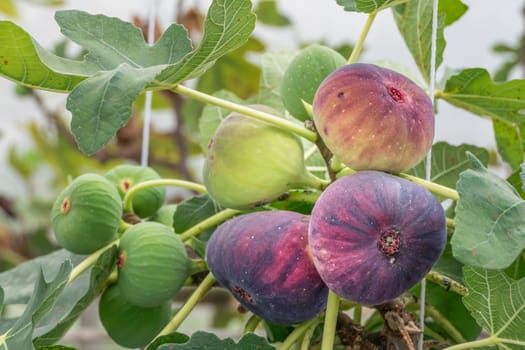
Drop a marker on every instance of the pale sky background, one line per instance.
(469, 43)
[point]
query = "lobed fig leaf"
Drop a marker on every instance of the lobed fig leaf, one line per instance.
(153, 264)
(250, 163)
(263, 259)
(86, 214)
(374, 236)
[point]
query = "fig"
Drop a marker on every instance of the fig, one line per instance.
(86, 214)
(145, 202)
(263, 259)
(164, 215)
(153, 264)
(250, 163)
(304, 75)
(373, 236)
(373, 118)
(129, 325)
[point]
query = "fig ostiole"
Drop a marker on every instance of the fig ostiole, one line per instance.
(153, 264)
(129, 325)
(303, 76)
(145, 202)
(263, 259)
(86, 215)
(250, 163)
(373, 118)
(373, 236)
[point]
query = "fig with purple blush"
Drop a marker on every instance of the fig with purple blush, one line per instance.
(373, 118)
(373, 236)
(263, 259)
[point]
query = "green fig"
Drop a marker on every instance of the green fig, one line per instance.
(153, 264)
(145, 202)
(164, 215)
(304, 75)
(250, 163)
(129, 325)
(86, 214)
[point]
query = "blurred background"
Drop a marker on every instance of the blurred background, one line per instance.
(38, 154)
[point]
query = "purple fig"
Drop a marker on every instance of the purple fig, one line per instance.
(373, 118)
(374, 236)
(263, 259)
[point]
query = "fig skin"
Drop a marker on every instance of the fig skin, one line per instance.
(86, 214)
(373, 118)
(250, 163)
(263, 259)
(129, 325)
(304, 75)
(153, 264)
(374, 236)
(145, 202)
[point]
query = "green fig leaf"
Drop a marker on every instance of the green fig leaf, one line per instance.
(453, 10)
(448, 161)
(192, 211)
(268, 13)
(517, 269)
(498, 305)
(209, 341)
(490, 220)
(473, 90)
(228, 25)
(212, 116)
(56, 347)
(172, 338)
(414, 20)
(273, 66)
(367, 6)
(102, 104)
(76, 298)
(41, 301)
(21, 60)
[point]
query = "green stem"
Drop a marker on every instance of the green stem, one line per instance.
(127, 201)
(447, 283)
(438, 317)
(362, 37)
(213, 220)
(87, 262)
(251, 112)
(190, 304)
(330, 321)
(292, 338)
(358, 314)
(123, 226)
(252, 324)
(307, 337)
(451, 223)
(475, 344)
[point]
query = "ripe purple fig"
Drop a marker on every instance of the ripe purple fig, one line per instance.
(373, 118)
(263, 259)
(374, 236)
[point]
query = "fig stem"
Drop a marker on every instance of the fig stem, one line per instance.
(252, 324)
(87, 262)
(477, 343)
(358, 314)
(447, 283)
(451, 223)
(213, 220)
(444, 323)
(127, 201)
(292, 338)
(330, 321)
(277, 121)
(362, 37)
(307, 337)
(199, 293)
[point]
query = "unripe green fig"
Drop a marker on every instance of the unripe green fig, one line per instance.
(250, 163)
(153, 264)
(86, 214)
(129, 325)
(145, 202)
(165, 215)
(373, 118)
(304, 75)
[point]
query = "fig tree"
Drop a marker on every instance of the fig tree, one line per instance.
(373, 236)
(304, 75)
(153, 264)
(86, 214)
(373, 118)
(263, 259)
(145, 202)
(129, 325)
(250, 163)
